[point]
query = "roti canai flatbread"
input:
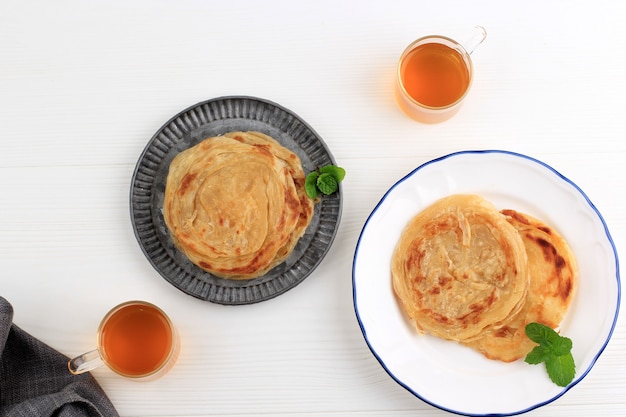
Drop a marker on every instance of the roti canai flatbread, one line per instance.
(553, 284)
(235, 204)
(459, 267)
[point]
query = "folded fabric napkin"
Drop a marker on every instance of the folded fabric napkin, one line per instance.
(35, 381)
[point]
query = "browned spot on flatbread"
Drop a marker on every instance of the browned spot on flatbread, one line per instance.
(186, 183)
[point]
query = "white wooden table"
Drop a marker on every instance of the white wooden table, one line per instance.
(84, 86)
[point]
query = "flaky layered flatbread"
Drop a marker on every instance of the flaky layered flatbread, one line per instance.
(235, 204)
(460, 267)
(553, 284)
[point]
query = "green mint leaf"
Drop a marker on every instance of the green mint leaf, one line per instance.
(561, 346)
(310, 185)
(561, 369)
(324, 180)
(327, 183)
(554, 350)
(537, 355)
(540, 333)
(337, 172)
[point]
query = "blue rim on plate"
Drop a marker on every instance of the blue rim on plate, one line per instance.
(447, 375)
(212, 118)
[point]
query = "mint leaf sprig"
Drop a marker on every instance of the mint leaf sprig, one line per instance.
(324, 180)
(554, 350)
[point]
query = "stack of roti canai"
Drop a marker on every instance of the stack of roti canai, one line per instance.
(235, 204)
(464, 271)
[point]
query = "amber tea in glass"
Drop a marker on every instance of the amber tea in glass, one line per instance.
(136, 339)
(434, 75)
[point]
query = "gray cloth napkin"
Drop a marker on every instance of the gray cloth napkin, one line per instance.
(35, 381)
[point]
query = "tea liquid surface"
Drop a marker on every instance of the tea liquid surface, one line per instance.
(434, 75)
(136, 340)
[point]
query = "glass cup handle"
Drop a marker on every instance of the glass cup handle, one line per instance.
(85, 362)
(477, 37)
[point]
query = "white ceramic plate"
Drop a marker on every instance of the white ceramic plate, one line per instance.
(445, 374)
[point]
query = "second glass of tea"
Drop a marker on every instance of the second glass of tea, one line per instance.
(434, 75)
(135, 339)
